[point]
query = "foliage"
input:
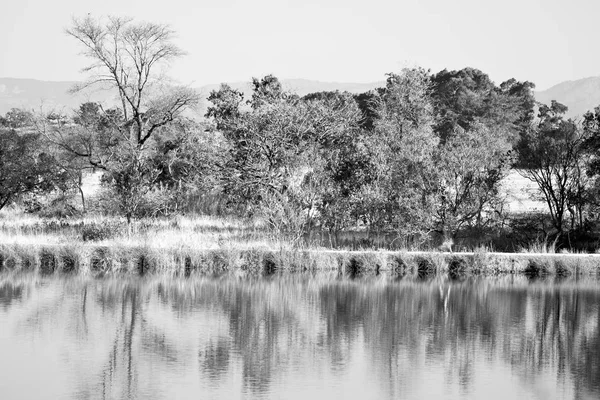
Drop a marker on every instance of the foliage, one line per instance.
(552, 154)
(16, 118)
(591, 161)
(424, 154)
(98, 232)
(126, 57)
(470, 166)
(24, 168)
(275, 148)
(402, 147)
(50, 205)
(462, 98)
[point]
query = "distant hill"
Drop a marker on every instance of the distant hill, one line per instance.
(580, 95)
(33, 94)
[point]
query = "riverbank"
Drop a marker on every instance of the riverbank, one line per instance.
(115, 259)
(185, 246)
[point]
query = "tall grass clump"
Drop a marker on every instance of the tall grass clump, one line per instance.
(426, 266)
(458, 266)
(481, 260)
(541, 246)
(539, 267)
(101, 231)
(399, 266)
(18, 258)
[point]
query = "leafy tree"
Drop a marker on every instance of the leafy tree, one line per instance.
(467, 104)
(17, 118)
(460, 97)
(24, 168)
(591, 128)
(275, 156)
(402, 147)
(436, 181)
(367, 103)
(185, 154)
(224, 107)
(267, 90)
(174, 159)
(347, 166)
(552, 156)
(516, 106)
(468, 96)
(469, 168)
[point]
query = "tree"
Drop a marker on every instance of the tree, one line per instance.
(402, 147)
(438, 160)
(126, 57)
(478, 124)
(23, 167)
(469, 168)
(367, 103)
(460, 97)
(515, 106)
(468, 96)
(551, 154)
(346, 165)
(185, 155)
(16, 118)
(591, 129)
(267, 90)
(224, 107)
(275, 165)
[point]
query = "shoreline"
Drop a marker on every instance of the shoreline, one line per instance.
(102, 259)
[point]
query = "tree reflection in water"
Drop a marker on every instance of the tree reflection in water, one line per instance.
(161, 338)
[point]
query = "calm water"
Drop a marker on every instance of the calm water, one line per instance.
(299, 337)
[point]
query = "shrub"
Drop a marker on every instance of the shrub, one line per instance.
(537, 268)
(457, 266)
(354, 267)
(95, 232)
(47, 262)
(399, 266)
(425, 267)
(54, 205)
(561, 269)
(269, 265)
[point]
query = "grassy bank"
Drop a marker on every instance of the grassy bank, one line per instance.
(98, 259)
(186, 246)
(198, 232)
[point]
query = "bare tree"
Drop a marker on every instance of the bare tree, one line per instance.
(126, 56)
(129, 58)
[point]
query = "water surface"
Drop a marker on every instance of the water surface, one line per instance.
(298, 337)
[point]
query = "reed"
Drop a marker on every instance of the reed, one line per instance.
(200, 245)
(100, 259)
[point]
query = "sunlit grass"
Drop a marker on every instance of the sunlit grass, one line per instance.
(198, 232)
(189, 245)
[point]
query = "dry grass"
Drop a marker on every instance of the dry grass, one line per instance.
(124, 259)
(198, 232)
(186, 246)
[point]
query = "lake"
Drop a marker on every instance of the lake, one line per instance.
(299, 336)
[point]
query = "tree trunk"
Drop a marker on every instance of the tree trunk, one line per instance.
(79, 184)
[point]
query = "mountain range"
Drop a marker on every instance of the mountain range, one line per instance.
(579, 95)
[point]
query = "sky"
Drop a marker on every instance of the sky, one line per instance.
(543, 41)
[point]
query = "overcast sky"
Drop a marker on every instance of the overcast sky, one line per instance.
(544, 41)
